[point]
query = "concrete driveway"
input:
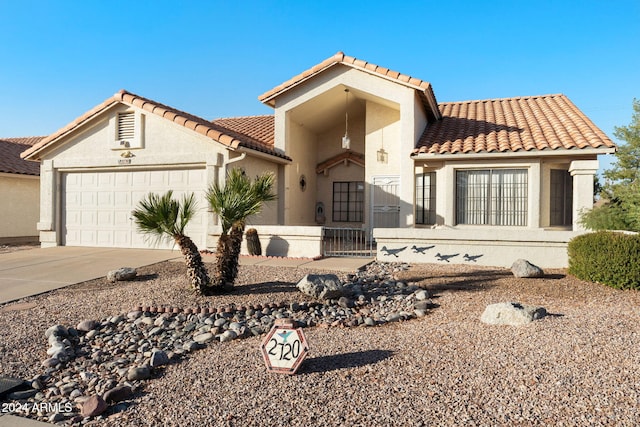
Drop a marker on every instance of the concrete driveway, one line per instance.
(34, 271)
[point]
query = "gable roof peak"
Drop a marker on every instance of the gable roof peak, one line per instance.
(228, 137)
(423, 88)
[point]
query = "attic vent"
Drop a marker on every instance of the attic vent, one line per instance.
(126, 126)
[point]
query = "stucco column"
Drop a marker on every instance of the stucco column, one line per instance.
(534, 201)
(46, 225)
(582, 172)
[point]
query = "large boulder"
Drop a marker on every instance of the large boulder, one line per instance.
(511, 313)
(322, 286)
(523, 268)
(121, 274)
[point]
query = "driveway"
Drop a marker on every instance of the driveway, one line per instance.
(34, 271)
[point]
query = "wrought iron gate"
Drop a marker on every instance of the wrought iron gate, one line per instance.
(347, 242)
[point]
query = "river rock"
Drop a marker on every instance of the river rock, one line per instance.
(158, 358)
(138, 373)
(228, 336)
(93, 406)
(345, 302)
(56, 330)
(118, 394)
(22, 394)
(51, 362)
(87, 325)
(203, 338)
(511, 313)
(422, 295)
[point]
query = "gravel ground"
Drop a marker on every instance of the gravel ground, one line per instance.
(578, 366)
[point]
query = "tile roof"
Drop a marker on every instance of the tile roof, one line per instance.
(10, 161)
(424, 88)
(548, 122)
(218, 132)
(259, 128)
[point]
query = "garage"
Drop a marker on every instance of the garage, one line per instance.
(96, 205)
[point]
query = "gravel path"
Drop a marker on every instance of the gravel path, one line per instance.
(578, 366)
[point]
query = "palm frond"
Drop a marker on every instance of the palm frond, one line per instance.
(161, 217)
(239, 198)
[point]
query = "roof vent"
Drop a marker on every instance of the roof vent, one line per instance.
(126, 127)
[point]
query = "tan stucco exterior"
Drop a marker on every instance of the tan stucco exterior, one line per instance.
(19, 210)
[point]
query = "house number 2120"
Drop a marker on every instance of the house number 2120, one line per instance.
(284, 350)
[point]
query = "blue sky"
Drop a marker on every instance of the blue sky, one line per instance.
(213, 58)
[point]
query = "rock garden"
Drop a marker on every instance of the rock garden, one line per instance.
(407, 340)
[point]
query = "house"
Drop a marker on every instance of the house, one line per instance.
(354, 146)
(19, 192)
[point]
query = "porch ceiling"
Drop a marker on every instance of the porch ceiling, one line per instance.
(326, 110)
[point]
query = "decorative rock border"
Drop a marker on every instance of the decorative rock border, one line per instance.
(212, 310)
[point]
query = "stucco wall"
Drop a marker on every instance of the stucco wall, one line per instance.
(299, 205)
(284, 241)
(253, 167)
(164, 142)
(488, 246)
(20, 206)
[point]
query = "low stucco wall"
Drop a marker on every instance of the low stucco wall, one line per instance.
(20, 207)
(486, 247)
(291, 241)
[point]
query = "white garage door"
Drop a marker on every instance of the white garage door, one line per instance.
(96, 206)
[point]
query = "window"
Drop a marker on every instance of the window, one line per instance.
(426, 198)
(491, 197)
(348, 201)
(561, 203)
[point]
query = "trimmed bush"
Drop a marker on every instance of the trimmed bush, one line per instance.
(606, 257)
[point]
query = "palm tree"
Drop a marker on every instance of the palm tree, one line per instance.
(234, 202)
(163, 218)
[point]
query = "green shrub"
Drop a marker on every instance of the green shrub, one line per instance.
(606, 257)
(611, 216)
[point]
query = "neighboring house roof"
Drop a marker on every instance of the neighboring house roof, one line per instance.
(548, 122)
(10, 161)
(230, 137)
(423, 88)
